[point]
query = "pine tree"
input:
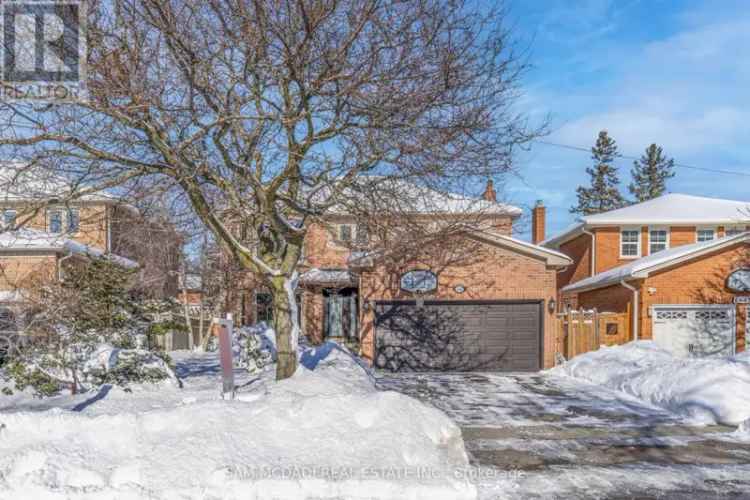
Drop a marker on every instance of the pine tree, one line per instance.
(650, 174)
(604, 193)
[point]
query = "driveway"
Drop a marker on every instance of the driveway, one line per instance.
(542, 436)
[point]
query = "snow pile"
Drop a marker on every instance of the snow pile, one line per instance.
(324, 433)
(705, 390)
(253, 347)
(111, 364)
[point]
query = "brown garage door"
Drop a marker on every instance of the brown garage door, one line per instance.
(458, 336)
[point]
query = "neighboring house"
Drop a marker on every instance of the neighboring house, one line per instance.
(478, 299)
(675, 262)
(38, 236)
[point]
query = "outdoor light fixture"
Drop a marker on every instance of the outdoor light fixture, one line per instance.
(552, 305)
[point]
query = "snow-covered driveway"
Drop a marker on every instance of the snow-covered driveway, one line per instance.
(539, 435)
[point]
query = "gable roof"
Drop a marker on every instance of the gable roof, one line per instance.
(669, 209)
(20, 182)
(30, 240)
(552, 258)
(410, 197)
(641, 268)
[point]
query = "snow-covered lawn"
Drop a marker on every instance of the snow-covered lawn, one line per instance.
(704, 390)
(324, 433)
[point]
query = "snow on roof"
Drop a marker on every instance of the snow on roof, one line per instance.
(326, 276)
(406, 197)
(676, 208)
(22, 240)
(20, 182)
(673, 209)
(640, 268)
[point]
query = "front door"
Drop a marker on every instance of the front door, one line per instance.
(341, 314)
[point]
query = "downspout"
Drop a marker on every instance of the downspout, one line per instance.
(635, 307)
(593, 250)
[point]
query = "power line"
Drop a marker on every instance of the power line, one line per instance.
(626, 157)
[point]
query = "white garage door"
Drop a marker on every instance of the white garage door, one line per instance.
(698, 331)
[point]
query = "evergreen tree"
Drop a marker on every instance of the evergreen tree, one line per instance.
(604, 193)
(650, 174)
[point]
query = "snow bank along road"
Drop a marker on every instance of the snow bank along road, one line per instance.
(548, 436)
(324, 433)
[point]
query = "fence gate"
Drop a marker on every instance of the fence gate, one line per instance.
(584, 330)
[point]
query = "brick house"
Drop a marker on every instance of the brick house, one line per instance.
(52, 236)
(676, 263)
(477, 299)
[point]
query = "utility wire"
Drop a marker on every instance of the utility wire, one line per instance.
(618, 155)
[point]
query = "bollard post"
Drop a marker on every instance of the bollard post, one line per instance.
(225, 355)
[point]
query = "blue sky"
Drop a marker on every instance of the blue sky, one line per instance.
(672, 72)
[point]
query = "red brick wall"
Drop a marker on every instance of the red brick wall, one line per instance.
(488, 273)
(679, 235)
(578, 249)
(700, 281)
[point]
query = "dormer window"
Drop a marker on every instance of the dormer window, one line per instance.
(630, 243)
(658, 239)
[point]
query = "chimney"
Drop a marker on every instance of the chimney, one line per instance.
(538, 221)
(489, 192)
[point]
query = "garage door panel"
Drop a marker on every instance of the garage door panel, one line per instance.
(451, 336)
(695, 331)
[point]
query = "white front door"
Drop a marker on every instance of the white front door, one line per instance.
(695, 330)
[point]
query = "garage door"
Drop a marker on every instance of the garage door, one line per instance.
(697, 331)
(458, 336)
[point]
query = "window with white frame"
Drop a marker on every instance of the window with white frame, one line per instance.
(705, 234)
(630, 243)
(55, 221)
(9, 219)
(735, 229)
(658, 239)
(74, 220)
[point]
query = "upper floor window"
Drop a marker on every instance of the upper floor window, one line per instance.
(658, 240)
(736, 229)
(630, 243)
(345, 233)
(353, 234)
(705, 234)
(9, 219)
(74, 220)
(55, 221)
(61, 220)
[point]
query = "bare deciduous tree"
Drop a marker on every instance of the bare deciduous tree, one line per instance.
(274, 110)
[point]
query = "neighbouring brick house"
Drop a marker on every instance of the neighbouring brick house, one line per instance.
(475, 299)
(52, 235)
(677, 264)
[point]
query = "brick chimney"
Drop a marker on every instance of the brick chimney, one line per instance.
(538, 221)
(489, 192)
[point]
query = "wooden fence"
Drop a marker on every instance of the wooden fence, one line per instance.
(585, 330)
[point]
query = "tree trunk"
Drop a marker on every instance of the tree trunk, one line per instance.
(286, 327)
